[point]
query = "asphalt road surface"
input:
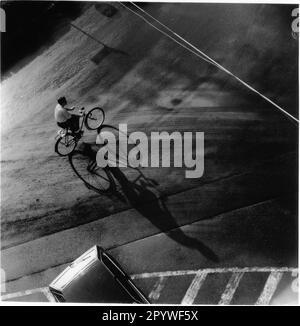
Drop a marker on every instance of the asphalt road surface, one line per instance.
(229, 237)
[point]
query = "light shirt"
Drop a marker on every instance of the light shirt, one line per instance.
(61, 114)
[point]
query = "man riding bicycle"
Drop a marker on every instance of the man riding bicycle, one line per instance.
(64, 118)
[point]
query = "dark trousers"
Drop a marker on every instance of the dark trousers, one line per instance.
(72, 123)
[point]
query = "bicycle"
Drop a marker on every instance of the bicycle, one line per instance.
(99, 179)
(68, 140)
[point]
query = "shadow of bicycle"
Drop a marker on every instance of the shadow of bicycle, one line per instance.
(140, 192)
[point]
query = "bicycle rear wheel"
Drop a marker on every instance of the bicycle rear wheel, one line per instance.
(65, 145)
(94, 118)
(93, 176)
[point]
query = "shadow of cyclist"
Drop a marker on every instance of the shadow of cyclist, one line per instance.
(152, 206)
(147, 203)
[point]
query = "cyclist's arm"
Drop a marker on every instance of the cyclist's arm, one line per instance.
(66, 114)
(71, 109)
(79, 113)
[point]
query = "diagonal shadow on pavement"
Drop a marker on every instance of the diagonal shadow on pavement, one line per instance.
(154, 209)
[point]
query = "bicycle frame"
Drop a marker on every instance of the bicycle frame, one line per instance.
(67, 138)
(82, 120)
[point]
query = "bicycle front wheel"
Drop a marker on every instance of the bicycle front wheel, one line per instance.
(93, 176)
(94, 118)
(65, 145)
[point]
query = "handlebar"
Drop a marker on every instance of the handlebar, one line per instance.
(74, 107)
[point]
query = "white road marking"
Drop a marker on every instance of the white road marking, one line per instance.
(159, 285)
(194, 288)
(21, 293)
(216, 270)
(48, 295)
(269, 289)
(230, 289)
(200, 275)
(163, 274)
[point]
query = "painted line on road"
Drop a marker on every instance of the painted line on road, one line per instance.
(216, 270)
(158, 287)
(48, 295)
(22, 293)
(194, 288)
(270, 288)
(231, 287)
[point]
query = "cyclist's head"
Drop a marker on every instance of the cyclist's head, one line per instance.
(62, 101)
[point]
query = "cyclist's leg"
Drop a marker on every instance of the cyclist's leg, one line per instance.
(74, 123)
(63, 125)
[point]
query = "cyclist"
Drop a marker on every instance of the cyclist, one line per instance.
(64, 118)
